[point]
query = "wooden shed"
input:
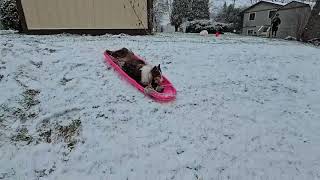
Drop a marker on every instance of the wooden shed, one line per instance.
(85, 16)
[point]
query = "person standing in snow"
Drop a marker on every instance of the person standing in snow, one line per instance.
(275, 22)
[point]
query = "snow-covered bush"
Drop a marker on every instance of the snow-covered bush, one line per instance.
(9, 15)
(197, 26)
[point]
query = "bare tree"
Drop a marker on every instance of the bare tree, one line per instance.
(301, 19)
(169, 4)
(160, 7)
(312, 29)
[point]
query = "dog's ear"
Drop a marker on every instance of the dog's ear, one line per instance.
(109, 52)
(130, 52)
(154, 69)
(159, 68)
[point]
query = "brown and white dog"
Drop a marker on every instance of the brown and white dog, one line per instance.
(122, 55)
(145, 74)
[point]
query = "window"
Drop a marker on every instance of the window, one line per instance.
(252, 16)
(272, 13)
(250, 32)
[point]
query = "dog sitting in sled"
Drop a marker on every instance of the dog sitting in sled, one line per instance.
(146, 75)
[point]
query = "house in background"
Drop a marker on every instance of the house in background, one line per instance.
(294, 17)
(257, 18)
(84, 16)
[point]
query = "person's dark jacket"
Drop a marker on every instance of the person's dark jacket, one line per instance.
(276, 21)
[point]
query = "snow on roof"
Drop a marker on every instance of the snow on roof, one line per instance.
(278, 3)
(311, 4)
(264, 1)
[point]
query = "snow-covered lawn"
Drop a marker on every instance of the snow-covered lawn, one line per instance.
(247, 109)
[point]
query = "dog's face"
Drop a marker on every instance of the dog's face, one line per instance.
(157, 74)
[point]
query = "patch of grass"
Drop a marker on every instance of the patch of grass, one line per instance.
(1, 117)
(45, 172)
(50, 50)
(22, 136)
(29, 98)
(46, 136)
(69, 132)
(40, 173)
(4, 114)
(20, 114)
(64, 81)
(36, 64)
(11, 114)
(3, 110)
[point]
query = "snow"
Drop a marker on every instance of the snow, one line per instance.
(274, 2)
(247, 108)
(311, 4)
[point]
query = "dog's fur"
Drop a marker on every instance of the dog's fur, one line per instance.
(122, 56)
(144, 74)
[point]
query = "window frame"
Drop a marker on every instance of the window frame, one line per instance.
(254, 18)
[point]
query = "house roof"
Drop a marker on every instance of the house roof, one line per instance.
(294, 4)
(278, 4)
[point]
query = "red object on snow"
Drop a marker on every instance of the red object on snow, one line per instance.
(169, 93)
(217, 34)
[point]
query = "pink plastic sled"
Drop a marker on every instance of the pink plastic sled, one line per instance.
(169, 93)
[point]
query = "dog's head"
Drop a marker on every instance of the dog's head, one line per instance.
(156, 74)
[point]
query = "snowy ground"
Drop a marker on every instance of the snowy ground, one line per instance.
(247, 109)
